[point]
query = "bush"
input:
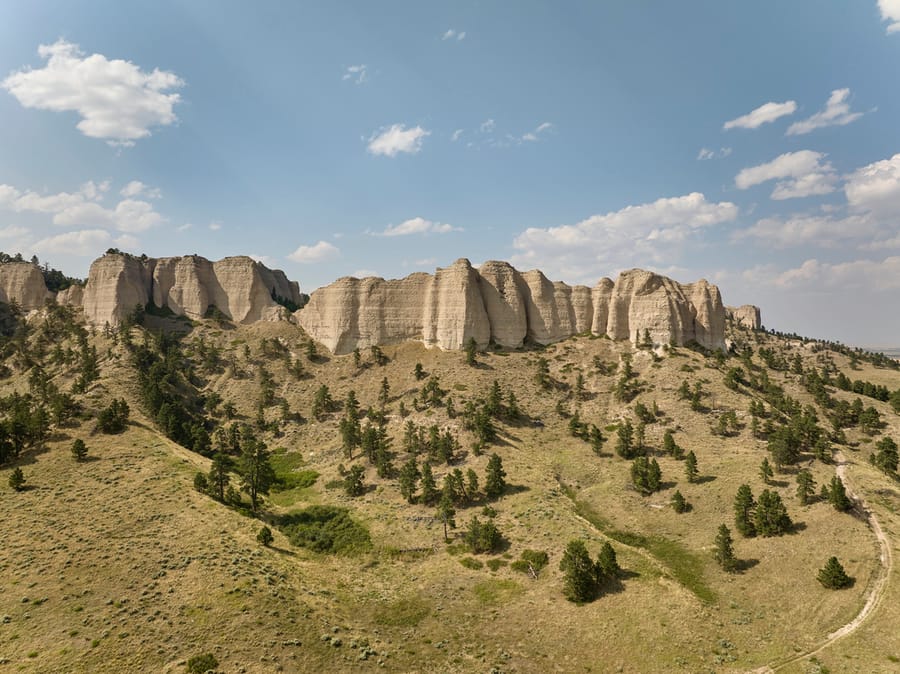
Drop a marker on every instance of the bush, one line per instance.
(482, 536)
(113, 419)
(202, 663)
(325, 529)
(471, 563)
(264, 537)
(531, 562)
(201, 484)
(79, 450)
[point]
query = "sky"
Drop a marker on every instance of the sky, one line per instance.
(754, 144)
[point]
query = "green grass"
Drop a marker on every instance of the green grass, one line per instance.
(685, 566)
(405, 612)
(496, 590)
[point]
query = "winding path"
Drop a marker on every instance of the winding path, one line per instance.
(878, 586)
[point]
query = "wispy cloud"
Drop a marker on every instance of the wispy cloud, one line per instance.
(799, 174)
(117, 101)
(419, 226)
(706, 154)
(358, 74)
(397, 138)
(452, 34)
(455, 136)
(764, 114)
(137, 189)
(534, 135)
(318, 252)
(836, 113)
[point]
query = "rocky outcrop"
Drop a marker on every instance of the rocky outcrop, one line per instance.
(23, 283)
(239, 287)
(747, 315)
(498, 304)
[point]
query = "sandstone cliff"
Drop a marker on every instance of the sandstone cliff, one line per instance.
(747, 315)
(23, 283)
(499, 304)
(242, 289)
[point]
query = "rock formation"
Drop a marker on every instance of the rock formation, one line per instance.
(498, 304)
(747, 315)
(23, 283)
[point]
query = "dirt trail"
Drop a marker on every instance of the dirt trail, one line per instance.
(878, 586)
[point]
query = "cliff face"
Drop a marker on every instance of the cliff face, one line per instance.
(497, 303)
(239, 287)
(22, 282)
(747, 315)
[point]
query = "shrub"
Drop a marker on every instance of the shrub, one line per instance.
(79, 450)
(264, 537)
(325, 529)
(202, 663)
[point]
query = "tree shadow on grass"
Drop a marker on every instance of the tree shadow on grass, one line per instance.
(797, 527)
(703, 479)
(742, 565)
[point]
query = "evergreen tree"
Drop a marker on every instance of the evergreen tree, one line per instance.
(353, 481)
(418, 372)
(429, 486)
(837, 495)
(471, 348)
(201, 484)
(357, 358)
(770, 517)
(482, 536)
(607, 566)
(543, 374)
(625, 440)
(806, 487)
(17, 479)
(409, 478)
(765, 471)
(257, 475)
(885, 456)
(579, 573)
(595, 437)
(446, 513)
(79, 449)
(219, 478)
(669, 445)
(690, 467)
(744, 505)
(645, 475)
(471, 483)
(494, 482)
(679, 503)
(724, 551)
(833, 576)
(265, 537)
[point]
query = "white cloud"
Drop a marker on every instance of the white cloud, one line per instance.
(768, 112)
(635, 235)
(358, 73)
(319, 252)
(83, 243)
(876, 188)
(487, 126)
(532, 136)
(890, 12)
(185, 227)
(116, 100)
(869, 274)
(419, 226)
(136, 189)
(822, 230)
(706, 154)
(82, 208)
(836, 113)
(266, 260)
(397, 138)
(215, 226)
(451, 34)
(456, 135)
(799, 174)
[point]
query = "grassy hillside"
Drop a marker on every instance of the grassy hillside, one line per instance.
(117, 563)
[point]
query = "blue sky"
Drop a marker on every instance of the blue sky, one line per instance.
(753, 144)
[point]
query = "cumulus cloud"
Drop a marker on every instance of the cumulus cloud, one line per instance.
(357, 74)
(876, 188)
(397, 138)
(136, 189)
(83, 208)
(83, 243)
(890, 12)
(419, 226)
(799, 174)
(636, 235)
(764, 114)
(116, 100)
(836, 113)
(870, 274)
(809, 229)
(319, 252)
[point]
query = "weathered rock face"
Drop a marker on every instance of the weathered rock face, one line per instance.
(499, 304)
(239, 287)
(23, 283)
(72, 296)
(747, 315)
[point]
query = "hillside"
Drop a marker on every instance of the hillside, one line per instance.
(117, 563)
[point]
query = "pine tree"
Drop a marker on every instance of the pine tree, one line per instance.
(625, 439)
(770, 517)
(645, 475)
(607, 566)
(543, 374)
(595, 437)
(679, 503)
(690, 467)
(494, 482)
(765, 471)
(218, 477)
(471, 483)
(17, 479)
(418, 372)
(409, 478)
(806, 487)
(837, 495)
(724, 551)
(471, 348)
(79, 449)
(446, 512)
(579, 573)
(429, 486)
(353, 481)
(669, 445)
(743, 511)
(257, 475)
(833, 576)
(265, 537)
